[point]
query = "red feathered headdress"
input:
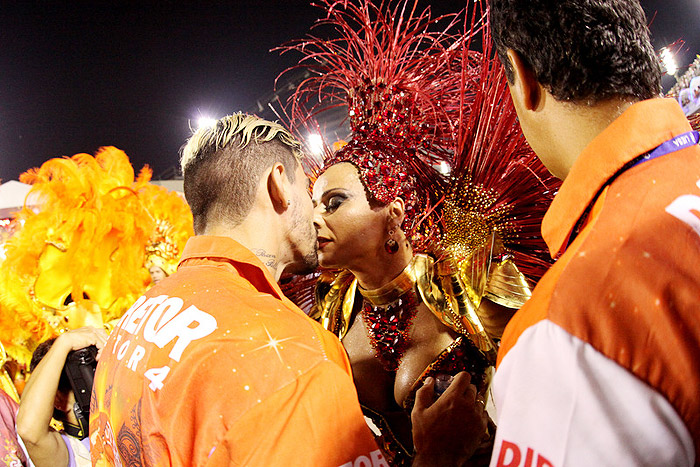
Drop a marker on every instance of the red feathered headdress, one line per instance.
(418, 95)
(397, 71)
(499, 189)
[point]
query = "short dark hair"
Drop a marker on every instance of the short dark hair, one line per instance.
(222, 166)
(39, 353)
(579, 50)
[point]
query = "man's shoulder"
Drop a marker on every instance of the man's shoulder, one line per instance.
(633, 268)
(644, 229)
(256, 326)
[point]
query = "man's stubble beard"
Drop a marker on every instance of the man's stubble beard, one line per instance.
(304, 263)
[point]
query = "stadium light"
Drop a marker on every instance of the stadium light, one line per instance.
(668, 61)
(205, 122)
(315, 142)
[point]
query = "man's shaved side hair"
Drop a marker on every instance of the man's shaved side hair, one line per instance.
(222, 166)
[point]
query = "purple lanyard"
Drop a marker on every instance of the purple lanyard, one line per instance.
(674, 144)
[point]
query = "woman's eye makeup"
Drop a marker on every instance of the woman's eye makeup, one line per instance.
(334, 202)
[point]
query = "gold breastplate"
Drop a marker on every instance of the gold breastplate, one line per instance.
(449, 291)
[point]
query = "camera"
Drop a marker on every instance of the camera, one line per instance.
(80, 370)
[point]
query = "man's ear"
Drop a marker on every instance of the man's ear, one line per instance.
(278, 187)
(525, 87)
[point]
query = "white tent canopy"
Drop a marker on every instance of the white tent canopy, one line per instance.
(12, 195)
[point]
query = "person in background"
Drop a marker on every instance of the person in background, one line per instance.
(11, 453)
(213, 365)
(157, 273)
(600, 366)
(173, 227)
(48, 393)
(695, 90)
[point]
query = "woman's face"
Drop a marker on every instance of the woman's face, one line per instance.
(157, 274)
(350, 232)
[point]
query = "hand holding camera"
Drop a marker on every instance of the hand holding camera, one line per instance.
(50, 392)
(80, 338)
(79, 369)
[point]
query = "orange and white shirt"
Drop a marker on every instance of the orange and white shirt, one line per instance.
(214, 366)
(602, 365)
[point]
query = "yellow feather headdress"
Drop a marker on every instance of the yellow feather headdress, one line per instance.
(78, 257)
(173, 226)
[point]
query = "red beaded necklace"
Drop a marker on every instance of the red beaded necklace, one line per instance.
(388, 328)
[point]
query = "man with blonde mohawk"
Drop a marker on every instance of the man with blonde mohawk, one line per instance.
(213, 365)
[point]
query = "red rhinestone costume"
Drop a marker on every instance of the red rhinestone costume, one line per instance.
(418, 96)
(389, 328)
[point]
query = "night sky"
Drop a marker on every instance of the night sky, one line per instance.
(75, 76)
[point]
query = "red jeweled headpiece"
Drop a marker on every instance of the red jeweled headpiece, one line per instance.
(400, 80)
(417, 98)
(385, 176)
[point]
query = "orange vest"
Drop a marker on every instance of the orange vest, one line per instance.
(214, 366)
(629, 284)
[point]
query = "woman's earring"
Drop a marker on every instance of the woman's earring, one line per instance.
(391, 246)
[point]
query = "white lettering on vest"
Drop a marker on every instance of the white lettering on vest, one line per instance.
(162, 320)
(136, 356)
(160, 316)
(131, 324)
(179, 327)
(131, 309)
(119, 337)
(122, 350)
(682, 209)
(377, 460)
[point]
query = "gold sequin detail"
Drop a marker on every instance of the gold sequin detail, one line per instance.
(470, 215)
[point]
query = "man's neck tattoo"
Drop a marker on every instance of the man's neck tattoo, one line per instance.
(269, 260)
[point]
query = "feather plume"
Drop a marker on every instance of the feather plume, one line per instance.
(88, 230)
(497, 182)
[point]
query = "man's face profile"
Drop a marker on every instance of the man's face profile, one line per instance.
(302, 233)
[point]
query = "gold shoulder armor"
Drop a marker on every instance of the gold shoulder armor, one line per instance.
(335, 299)
(442, 290)
(506, 285)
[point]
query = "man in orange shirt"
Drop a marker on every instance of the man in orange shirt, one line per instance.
(213, 365)
(600, 366)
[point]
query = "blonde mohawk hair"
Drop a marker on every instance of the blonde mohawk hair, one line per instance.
(245, 128)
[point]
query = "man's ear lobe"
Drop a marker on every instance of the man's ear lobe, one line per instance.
(277, 186)
(525, 87)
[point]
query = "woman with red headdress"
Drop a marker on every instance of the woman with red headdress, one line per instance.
(423, 267)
